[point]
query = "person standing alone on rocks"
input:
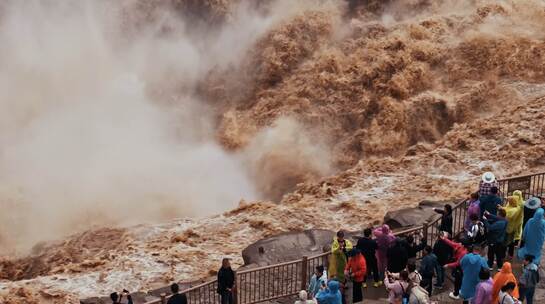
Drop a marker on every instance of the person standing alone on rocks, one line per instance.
(226, 282)
(369, 247)
(176, 298)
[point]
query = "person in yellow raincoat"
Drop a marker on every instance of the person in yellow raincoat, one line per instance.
(338, 257)
(514, 209)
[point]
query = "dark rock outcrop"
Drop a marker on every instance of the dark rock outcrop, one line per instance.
(408, 217)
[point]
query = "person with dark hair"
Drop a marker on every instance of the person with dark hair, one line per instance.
(428, 267)
(471, 265)
(443, 252)
(356, 268)
(116, 298)
(490, 202)
(226, 282)
(506, 294)
(446, 218)
(369, 247)
(501, 278)
(483, 292)
(398, 289)
(397, 256)
(528, 280)
(530, 207)
(176, 298)
(459, 251)
(473, 209)
(318, 280)
(496, 229)
(338, 257)
(477, 232)
(412, 247)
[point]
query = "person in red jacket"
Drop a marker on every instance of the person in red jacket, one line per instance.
(459, 251)
(356, 268)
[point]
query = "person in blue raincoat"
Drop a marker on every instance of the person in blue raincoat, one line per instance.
(533, 237)
(330, 295)
(471, 265)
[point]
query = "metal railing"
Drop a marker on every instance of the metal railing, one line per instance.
(287, 279)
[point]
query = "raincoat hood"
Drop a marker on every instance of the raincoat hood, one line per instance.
(501, 278)
(506, 268)
(539, 214)
(474, 259)
(518, 197)
(333, 286)
(386, 229)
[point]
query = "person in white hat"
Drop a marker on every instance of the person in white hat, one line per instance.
(488, 181)
(530, 207)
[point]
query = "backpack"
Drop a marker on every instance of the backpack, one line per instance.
(481, 233)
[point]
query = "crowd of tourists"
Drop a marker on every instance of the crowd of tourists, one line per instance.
(492, 226)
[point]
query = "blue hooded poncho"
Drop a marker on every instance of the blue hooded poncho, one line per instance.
(471, 265)
(331, 295)
(533, 236)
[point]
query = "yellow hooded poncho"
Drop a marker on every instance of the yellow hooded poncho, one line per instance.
(337, 260)
(515, 212)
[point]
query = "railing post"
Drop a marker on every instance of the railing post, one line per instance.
(235, 290)
(163, 298)
(425, 230)
(304, 266)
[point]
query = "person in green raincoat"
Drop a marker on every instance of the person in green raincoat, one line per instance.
(338, 257)
(514, 210)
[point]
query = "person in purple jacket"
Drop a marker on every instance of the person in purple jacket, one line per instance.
(483, 292)
(474, 208)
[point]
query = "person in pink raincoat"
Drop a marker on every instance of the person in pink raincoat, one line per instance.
(385, 238)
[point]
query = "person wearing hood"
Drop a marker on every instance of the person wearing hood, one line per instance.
(397, 256)
(530, 207)
(501, 278)
(533, 236)
(338, 258)
(483, 292)
(356, 268)
(528, 280)
(319, 279)
(331, 294)
(514, 214)
(385, 238)
(303, 298)
(471, 265)
(472, 208)
(496, 226)
(458, 252)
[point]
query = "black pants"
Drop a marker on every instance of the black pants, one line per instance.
(511, 248)
(496, 250)
(226, 297)
(357, 294)
(458, 276)
(372, 266)
(427, 283)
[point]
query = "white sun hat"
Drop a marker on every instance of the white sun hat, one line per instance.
(488, 177)
(532, 203)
